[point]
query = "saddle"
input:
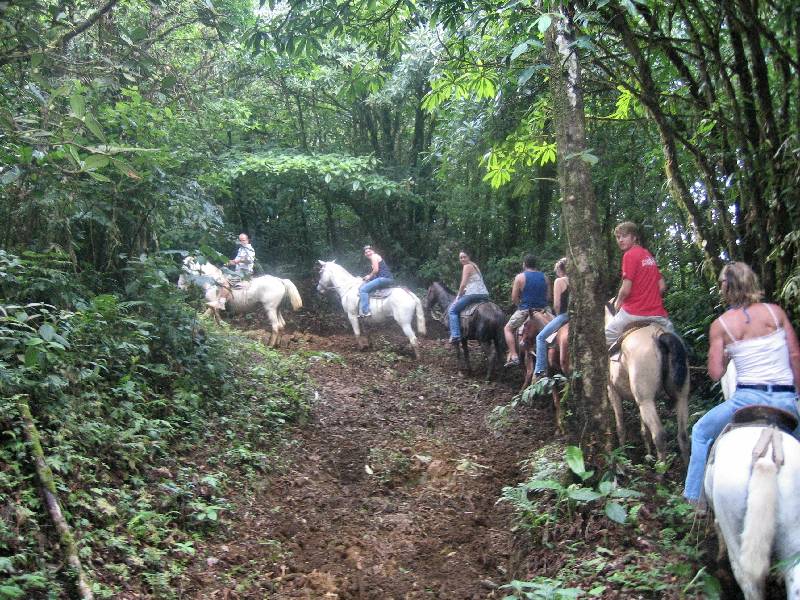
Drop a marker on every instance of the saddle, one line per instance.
(470, 310)
(772, 419)
(382, 293)
(761, 415)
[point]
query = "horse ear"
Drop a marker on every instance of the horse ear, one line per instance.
(321, 262)
(334, 261)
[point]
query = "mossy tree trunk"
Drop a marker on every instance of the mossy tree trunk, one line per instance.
(48, 489)
(584, 249)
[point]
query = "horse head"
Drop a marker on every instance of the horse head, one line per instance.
(326, 282)
(611, 310)
(531, 328)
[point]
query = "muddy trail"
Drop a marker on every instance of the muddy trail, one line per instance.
(390, 489)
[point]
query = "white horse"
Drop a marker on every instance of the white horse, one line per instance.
(265, 291)
(400, 304)
(756, 503)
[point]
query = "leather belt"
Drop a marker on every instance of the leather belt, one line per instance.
(765, 387)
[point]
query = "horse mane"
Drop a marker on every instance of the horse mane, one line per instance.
(444, 287)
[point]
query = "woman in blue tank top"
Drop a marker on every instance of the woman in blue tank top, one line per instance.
(380, 276)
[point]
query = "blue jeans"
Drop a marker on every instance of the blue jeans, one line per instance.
(367, 287)
(456, 308)
(541, 341)
(711, 424)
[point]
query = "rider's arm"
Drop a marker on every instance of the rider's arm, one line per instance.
(624, 292)
(792, 345)
(716, 351)
(516, 289)
(558, 289)
(465, 273)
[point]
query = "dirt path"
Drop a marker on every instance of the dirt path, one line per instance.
(388, 492)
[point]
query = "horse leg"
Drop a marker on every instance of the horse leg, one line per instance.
(616, 404)
(487, 351)
(356, 331)
(274, 321)
(651, 422)
(412, 338)
(465, 348)
(682, 416)
(527, 359)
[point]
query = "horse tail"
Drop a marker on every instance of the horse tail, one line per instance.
(420, 315)
(499, 336)
(294, 295)
(674, 363)
(758, 531)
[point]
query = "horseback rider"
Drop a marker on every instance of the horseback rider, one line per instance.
(471, 290)
(530, 290)
(639, 299)
(244, 259)
(379, 277)
(560, 302)
(762, 343)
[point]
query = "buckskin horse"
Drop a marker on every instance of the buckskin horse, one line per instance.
(399, 303)
(264, 291)
(650, 360)
(752, 484)
(482, 321)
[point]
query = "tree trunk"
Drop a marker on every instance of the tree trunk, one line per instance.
(589, 393)
(48, 488)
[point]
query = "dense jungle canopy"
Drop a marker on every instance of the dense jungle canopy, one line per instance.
(133, 132)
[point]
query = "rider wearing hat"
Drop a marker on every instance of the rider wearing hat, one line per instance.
(379, 277)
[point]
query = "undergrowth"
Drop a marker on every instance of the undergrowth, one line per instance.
(572, 518)
(144, 412)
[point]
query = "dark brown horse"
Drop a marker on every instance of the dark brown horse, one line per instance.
(484, 324)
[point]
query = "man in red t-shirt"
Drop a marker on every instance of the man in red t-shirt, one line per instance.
(639, 296)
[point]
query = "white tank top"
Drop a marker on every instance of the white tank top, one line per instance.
(763, 359)
(475, 284)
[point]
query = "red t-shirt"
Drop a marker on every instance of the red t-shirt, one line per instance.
(644, 300)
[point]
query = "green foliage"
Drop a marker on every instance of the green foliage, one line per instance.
(127, 388)
(541, 588)
(568, 497)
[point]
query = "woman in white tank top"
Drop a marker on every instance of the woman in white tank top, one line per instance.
(470, 290)
(760, 340)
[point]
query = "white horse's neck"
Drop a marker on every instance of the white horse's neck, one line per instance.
(340, 278)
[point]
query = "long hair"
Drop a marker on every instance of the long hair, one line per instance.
(561, 265)
(739, 285)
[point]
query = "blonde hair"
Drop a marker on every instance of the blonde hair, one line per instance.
(629, 227)
(739, 285)
(561, 265)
